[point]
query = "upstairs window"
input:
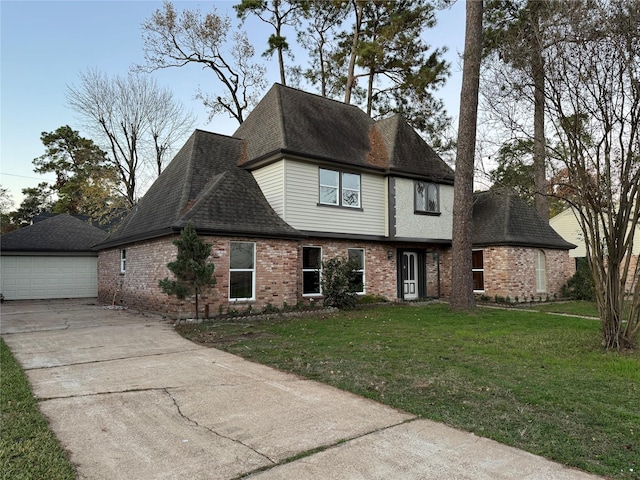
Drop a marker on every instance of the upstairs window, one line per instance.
(339, 188)
(426, 197)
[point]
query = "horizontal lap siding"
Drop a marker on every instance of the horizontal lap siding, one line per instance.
(271, 182)
(304, 213)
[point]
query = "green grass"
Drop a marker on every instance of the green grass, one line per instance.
(28, 448)
(532, 380)
(575, 307)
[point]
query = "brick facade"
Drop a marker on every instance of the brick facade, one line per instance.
(511, 271)
(278, 273)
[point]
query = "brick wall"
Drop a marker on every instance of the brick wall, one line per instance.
(278, 273)
(511, 271)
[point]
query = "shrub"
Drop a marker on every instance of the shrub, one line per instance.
(580, 286)
(340, 282)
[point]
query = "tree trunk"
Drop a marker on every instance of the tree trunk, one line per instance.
(541, 200)
(461, 272)
(351, 78)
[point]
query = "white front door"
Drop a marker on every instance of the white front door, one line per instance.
(410, 275)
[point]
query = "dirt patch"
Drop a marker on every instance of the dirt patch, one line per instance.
(213, 338)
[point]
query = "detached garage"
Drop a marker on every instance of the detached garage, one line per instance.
(50, 259)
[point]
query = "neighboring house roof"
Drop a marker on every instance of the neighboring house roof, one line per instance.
(202, 185)
(501, 218)
(61, 233)
(303, 125)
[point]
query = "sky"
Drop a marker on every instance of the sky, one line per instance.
(45, 45)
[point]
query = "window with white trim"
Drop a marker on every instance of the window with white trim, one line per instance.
(357, 256)
(123, 260)
(477, 265)
(426, 197)
(311, 270)
(541, 272)
(339, 188)
(242, 271)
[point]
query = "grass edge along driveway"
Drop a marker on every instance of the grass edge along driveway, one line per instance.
(535, 381)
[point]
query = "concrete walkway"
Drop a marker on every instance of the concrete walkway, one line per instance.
(131, 399)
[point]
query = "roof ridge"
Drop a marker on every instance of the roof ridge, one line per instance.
(187, 178)
(190, 210)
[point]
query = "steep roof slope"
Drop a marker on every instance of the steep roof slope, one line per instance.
(202, 185)
(61, 233)
(505, 219)
(292, 122)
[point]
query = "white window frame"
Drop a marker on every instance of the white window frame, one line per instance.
(340, 189)
(252, 270)
(314, 270)
(123, 260)
(481, 270)
(362, 270)
(421, 197)
(541, 272)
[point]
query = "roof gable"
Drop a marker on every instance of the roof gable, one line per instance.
(61, 233)
(202, 185)
(505, 219)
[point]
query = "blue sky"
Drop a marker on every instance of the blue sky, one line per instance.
(46, 44)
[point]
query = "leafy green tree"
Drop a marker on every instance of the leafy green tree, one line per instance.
(6, 204)
(340, 281)
(192, 270)
(86, 184)
(36, 201)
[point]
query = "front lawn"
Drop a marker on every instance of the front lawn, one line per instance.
(532, 380)
(28, 448)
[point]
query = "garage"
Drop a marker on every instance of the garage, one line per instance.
(50, 259)
(39, 277)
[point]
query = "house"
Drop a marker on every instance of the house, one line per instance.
(52, 258)
(567, 226)
(302, 180)
(516, 254)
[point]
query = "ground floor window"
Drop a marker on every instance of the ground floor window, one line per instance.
(123, 260)
(357, 256)
(242, 271)
(477, 264)
(311, 270)
(541, 272)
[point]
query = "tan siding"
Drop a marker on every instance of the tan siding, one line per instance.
(304, 213)
(271, 182)
(411, 225)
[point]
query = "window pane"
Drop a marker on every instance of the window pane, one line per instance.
(476, 259)
(329, 195)
(351, 198)
(311, 257)
(310, 282)
(432, 197)
(420, 194)
(241, 284)
(357, 285)
(357, 255)
(242, 255)
(329, 178)
(478, 280)
(351, 181)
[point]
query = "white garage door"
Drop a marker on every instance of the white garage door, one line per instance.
(37, 277)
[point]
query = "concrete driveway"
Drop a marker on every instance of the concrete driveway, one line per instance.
(131, 399)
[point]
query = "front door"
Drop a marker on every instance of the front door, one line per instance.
(410, 275)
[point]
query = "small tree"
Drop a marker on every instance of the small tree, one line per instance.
(192, 270)
(340, 282)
